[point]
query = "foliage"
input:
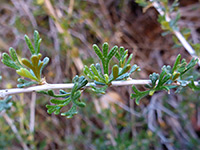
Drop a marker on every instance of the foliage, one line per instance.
(166, 78)
(163, 81)
(34, 65)
(73, 96)
(119, 71)
(90, 130)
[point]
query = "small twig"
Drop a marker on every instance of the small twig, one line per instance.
(32, 112)
(14, 129)
(15, 91)
(152, 125)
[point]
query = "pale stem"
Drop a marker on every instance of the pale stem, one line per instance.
(32, 112)
(14, 129)
(14, 91)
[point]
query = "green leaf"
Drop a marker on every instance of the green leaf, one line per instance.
(99, 90)
(35, 60)
(97, 51)
(81, 82)
(154, 77)
(30, 46)
(37, 41)
(138, 94)
(28, 83)
(58, 101)
(73, 96)
(88, 73)
(125, 69)
(129, 59)
(9, 62)
(98, 67)
(105, 49)
(73, 111)
(115, 71)
(112, 53)
(177, 62)
(27, 63)
(193, 86)
(13, 54)
(45, 62)
(25, 73)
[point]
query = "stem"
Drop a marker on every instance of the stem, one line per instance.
(14, 129)
(32, 113)
(15, 91)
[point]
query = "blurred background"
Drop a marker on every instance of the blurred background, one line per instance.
(112, 121)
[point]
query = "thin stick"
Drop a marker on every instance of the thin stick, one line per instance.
(15, 91)
(14, 129)
(32, 112)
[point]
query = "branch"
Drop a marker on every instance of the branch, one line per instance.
(14, 129)
(14, 91)
(178, 34)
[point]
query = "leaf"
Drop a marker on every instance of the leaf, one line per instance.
(97, 51)
(193, 86)
(58, 101)
(73, 111)
(177, 62)
(88, 73)
(30, 46)
(138, 94)
(154, 77)
(115, 71)
(73, 96)
(129, 59)
(98, 67)
(25, 73)
(125, 69)
(37, 41)
(105, 49)
(26, 84)
(9, 62)
(99, 90)
(13, 54)
(112, 53)
(81, 82)
(35, 60)
(27, 63)
(45, 62)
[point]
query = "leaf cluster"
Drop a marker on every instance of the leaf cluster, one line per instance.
(165, 80)
(31, 69)
(67, 97)
(119, 71)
